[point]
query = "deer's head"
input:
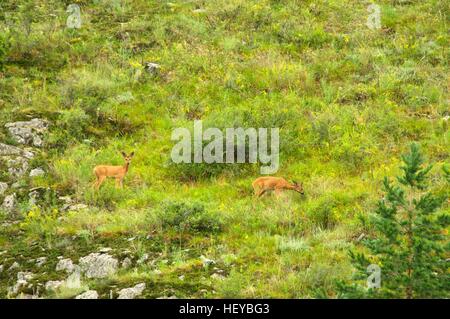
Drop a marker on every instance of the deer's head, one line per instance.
(298, 187)
(126, 157)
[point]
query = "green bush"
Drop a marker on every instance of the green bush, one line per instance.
(189, 217)
(4, 45)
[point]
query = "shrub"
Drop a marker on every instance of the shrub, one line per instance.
(190, 217)
(4, 45)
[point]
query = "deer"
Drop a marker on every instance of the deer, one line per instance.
(277, 184)
(118, 172)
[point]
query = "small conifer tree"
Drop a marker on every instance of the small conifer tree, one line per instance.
(410, 242)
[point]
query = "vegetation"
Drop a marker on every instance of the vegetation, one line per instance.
(410, 239)
(348, 101)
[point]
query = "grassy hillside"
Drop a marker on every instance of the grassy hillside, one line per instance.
(348, 101)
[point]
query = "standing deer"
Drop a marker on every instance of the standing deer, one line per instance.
(277, 184)
(117, 172)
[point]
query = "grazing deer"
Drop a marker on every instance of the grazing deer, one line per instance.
(117, 172)
(277, 184)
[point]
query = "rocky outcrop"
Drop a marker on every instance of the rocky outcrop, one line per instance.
(22, 281)
(90, 294)
(17, 159)
(131, 293)
(9, 150)
(28, 132)
(97, 265)
(9, 203)
(66, 265)
(53, 285)
(3, 188)
(37, 172)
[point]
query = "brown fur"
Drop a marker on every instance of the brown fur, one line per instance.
(277, 184)
(118, 172)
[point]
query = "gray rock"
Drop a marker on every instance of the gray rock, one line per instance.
(74, 280)
(90, 294)
(131, 293)
(126, 263)
(22, 281)
(207, 262)
(9, 203)
(8, 150)
(66, 265)
(1, 268)
(28, 132)
(15, 265)
(77, 207)
(152, 68)
(96, 265)
(143, 259)
(53, 285)
(17, 166)
(40, 261)
(217, 276)
(3, 187)
(37, 172)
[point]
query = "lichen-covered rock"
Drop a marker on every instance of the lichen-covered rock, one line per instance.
(77, 207)
(53, 285)
(15, 265)
(98, 265)
(37, 172)
(131, 293)
(41, 261)
(8, 150)
(9, 203)
(22, 280)
(126, 263)
(90, 294)
(152, 68)
(3, 188)
(28, 132)
(74, 280)
(17, 166)
(65, 264)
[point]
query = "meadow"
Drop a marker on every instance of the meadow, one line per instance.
(348, 100)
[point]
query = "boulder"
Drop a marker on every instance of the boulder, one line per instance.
(37, 172)
(53, 285)
(97, 265)
(3, 188)
(9, 203)
(28, 132)
(131, 293)
(8, 150)
(152, 68)
(126, 263)
(90, 294)
(17, 166)
(66, 265)
(74, 280)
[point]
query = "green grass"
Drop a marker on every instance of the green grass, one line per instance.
(348, 100)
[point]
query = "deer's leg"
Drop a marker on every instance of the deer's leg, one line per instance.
(261, 192)
(100, 180)
(277, 191)
(117, 182)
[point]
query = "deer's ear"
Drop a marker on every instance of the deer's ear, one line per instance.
(123, 154)
(132, 154)
(294, 182)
